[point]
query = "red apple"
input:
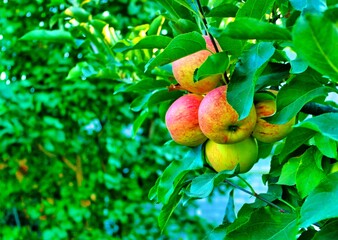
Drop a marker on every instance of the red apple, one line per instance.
(219, 121)
(267, 132)
(182, 120)
(184, 68)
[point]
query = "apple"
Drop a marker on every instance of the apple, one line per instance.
(182, 120)
(219, 121)
(226, 156)
(184, 68)
(267, 132)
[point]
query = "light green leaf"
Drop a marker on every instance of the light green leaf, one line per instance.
(309, 5)
(202, 185)
(242, 85)
(255, 8)
(58, 36)
(78, 13)
(326, 124)
(180, 46)
(308, 175)
(216, 63)
(315, 38)
(223, 11)
(250, 28)
(289, 172)
(321, 203)
(327, 146)
(151, 42)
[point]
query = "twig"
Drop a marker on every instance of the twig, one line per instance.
(69, 164)
(317, 109)
(78, 170)
(282, 210)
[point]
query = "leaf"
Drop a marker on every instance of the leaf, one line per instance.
(294, 95)
(139, 121)
(326, 124)
(315, 39)
(326, 145)
(264, 223)
(230, 215)
(242, 85)
(251, 28)
(255, 8)
(224, 10)
(216, 63)
(180, 46)
(78, 13)
(309, 5)
(294, 140)
(183, 26)
(321, 204)
(202, 185)
(163, 95)
(138, 103)
(176, 171)
(151, 42)
(289, 172)
(308, 174)
(191, 5)
(272, 75)
(328, 231)
(58, 36)
(217, 233)
(145, 85)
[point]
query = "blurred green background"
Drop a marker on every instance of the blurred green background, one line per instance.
(71, 167)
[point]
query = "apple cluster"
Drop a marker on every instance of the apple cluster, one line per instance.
(204, 115)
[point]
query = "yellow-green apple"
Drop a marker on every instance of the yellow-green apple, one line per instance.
(226, 156)
(267, 132)
(182, 120)
(184, 68)
(220, 122)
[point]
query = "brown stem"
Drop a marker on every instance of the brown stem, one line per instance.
(69, 164)
(78, 170)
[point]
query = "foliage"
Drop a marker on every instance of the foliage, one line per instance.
(290, 46)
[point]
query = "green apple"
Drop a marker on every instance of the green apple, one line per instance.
(182, 120)
(184, 68)
(267, 132)
(226, 156)
(219, 121)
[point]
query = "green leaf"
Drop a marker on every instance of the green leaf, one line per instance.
(78, 13)
(223, 11)
(294, 95)
(264, 223)
(328, 231)
(146, 85)
(242, 85)
(139, 121)
(309, 5)
(191, 5)
(183, 26)
(308, 175)
(217, 233)
(326, 124)
(321, 204)
(176, 171)
(315, 39)
(289, 172)
(255, 8)
(163, 95)
(272, 75)
(151, 42)
(180, 46)
(57, 36)
(326, 145)
(202, 185)
(230, 215)
(156, 26)
(251, 28)
(294, 140)
(216, 63)
(138, 103)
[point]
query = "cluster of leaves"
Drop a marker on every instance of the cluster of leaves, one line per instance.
(72, 166)
(290, 46)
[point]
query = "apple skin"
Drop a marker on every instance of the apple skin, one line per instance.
(182, 120)
(184, 68)
(226, 156)
(267, 132)
(219, 121)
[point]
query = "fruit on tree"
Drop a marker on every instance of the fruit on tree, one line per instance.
(182, 120)
(184, 68)
(267, 132)
(220, 122)
(226, 156)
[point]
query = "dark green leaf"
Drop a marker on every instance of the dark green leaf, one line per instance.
(183, 26)
(191, 5)
(180, 46)
(223, 11)
(321, 203)
(176, 171)
(242, 84)
(58, 36)
(316, 40)
(329, 231)
(151, 42)
(215, 64)
(251, 28)
(272, 75)
(255, 8)
(163, 95)
(308, 174)
(326, 124)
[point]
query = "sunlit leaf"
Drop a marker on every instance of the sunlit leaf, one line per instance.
(58, 36)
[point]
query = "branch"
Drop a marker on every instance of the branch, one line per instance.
(78, 170)
(282, 210)
(318, 108)
(69, 164)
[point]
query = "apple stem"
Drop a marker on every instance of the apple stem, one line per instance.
(254, 194)
(205, 24)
